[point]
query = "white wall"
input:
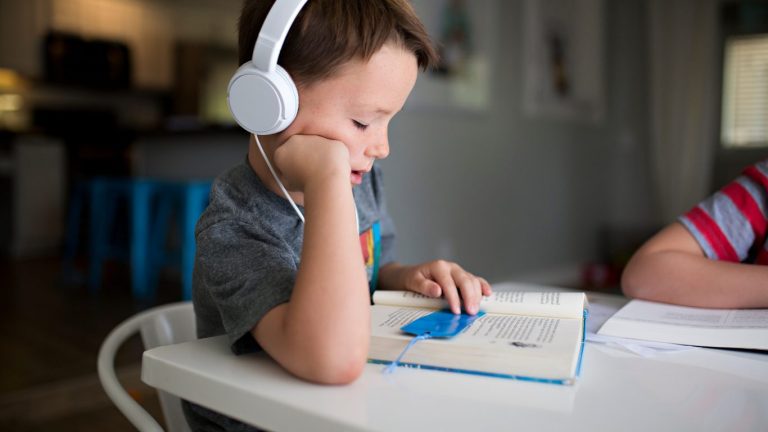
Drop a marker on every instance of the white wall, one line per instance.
(508, 196)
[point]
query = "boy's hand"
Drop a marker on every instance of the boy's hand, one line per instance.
(448, 279)
(305, 159)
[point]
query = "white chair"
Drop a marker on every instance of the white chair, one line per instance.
(162, 325)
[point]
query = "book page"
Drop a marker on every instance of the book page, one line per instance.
(640, 310)
(491, 329)
(728, 328)
(543, 347)
(542, 304)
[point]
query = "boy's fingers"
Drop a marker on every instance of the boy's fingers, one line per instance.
(485, 287)
(423, 285)
(450, 292)
(430, 288)
(470, 292)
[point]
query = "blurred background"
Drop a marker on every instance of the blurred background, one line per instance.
(554, 138)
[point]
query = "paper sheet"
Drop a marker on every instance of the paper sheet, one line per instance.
(599, 314)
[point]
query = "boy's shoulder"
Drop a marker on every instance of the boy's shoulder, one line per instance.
(755, 178)
(758, 172)
(236, 189)
(238, 197)
(236, 183)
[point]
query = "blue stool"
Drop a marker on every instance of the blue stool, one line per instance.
(150, 204)
(188, 199)
(105, 195)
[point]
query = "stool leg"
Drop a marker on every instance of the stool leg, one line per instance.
(140, 208)
(97, 234)
(195, 200)
(159, 235)
(72, 238)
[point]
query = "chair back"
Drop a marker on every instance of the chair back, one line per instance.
(176, 324)
(162, 325)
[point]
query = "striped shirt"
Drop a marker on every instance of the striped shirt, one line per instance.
(731, 224)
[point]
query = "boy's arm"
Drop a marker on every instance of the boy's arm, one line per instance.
(322, 333)
(671, 268)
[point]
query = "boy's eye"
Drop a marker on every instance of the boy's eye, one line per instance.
(361, 126)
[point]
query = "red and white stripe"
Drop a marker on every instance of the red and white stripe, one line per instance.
(731, 225)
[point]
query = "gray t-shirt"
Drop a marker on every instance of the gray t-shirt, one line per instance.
(248, 252)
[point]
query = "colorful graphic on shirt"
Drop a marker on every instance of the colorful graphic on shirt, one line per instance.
(370, 242)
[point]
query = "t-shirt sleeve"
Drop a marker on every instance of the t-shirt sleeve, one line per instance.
(244, 276)
(731, 224)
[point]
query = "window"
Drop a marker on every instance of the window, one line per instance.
(745, 92)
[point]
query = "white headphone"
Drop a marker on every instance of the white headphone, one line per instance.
(261, 95)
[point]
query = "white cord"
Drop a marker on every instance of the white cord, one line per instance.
(277, 179)
(285, 191)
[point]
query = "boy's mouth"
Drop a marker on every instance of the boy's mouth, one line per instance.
(356, 177)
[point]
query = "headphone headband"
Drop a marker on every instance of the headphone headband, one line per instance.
(273, 33)
(262, 96)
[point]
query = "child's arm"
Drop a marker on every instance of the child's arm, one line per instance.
(322, 333)
(672, 268)
(435, 279)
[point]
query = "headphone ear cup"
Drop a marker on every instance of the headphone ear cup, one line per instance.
(262, 103)
(289, 96)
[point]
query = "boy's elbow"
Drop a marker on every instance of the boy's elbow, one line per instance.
(331, 362)
(632, 279)
(345, 373)
(336, 369)
(628, 284)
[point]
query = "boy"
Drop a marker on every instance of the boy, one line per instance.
(302, 292)
(715, 256)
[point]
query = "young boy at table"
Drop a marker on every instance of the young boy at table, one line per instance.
(715, 256)
(301, 291)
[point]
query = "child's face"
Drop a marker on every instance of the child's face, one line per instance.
(356, 104)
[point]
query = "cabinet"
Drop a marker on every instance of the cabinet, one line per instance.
(33, 182)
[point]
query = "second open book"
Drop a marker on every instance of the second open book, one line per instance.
(534, 336)
(719, 328)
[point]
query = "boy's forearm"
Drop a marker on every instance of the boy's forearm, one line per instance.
(331, 290)
(683, 278)
(322, 333)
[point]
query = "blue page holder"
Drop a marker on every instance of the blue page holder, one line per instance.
(442, 324)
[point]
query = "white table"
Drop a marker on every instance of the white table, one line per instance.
(694, 390)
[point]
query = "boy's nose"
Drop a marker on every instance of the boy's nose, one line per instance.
(379, 150)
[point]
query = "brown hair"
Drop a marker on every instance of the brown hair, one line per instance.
(328, 33)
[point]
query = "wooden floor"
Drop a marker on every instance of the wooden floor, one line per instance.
(50, 333)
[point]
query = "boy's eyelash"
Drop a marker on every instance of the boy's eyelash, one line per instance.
(361, 126)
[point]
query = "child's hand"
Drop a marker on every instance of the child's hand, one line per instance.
(448, 279)
(305, 159)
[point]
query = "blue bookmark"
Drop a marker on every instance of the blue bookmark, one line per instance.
(442, 324)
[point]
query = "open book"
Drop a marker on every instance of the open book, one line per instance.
(721, 328)
(535, 336)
